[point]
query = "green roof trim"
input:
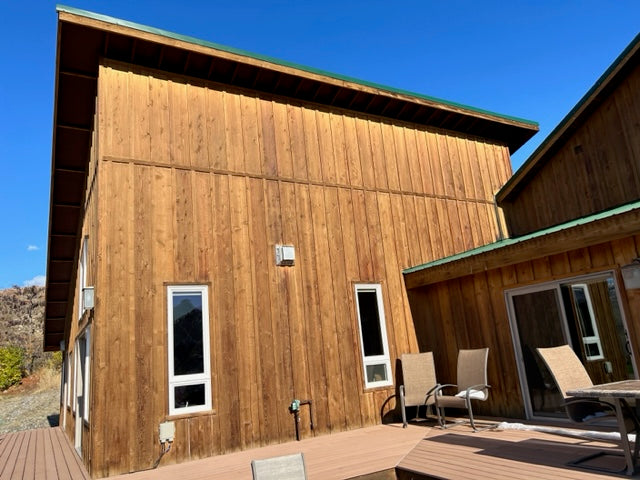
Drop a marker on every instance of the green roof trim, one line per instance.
(276, 61)
(568, 117)
(516, 240)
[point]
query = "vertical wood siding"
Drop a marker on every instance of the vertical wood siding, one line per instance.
(197, 185)
(596, 169)
(471, 312)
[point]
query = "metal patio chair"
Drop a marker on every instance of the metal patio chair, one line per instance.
(472, 385)
(569, 373)
(419, 382)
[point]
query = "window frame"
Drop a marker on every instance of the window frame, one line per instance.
(203, 378)
(86, 338)
(82, 275)
(68, 379)
(587, 340)
(383, 359)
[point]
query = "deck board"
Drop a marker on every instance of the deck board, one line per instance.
(455, 453)
(40, 454)
(512, 454)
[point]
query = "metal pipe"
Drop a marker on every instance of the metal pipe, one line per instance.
(294, 408)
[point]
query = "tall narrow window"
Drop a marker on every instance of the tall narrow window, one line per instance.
(86, 357)
(82, 276)
(373, 336)
(587, 321)
(189, 372)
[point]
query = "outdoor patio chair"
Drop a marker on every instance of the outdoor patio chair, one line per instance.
(472, 385)
(419, 382)
(286, 467)
(569, 373)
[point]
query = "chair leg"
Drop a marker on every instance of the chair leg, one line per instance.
(402, 407)
(473, 425)
(442, 419)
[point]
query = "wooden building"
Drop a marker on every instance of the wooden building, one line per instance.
(573, 215)
(228, 234)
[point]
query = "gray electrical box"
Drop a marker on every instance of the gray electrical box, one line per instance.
(285, 255)
(167, 431)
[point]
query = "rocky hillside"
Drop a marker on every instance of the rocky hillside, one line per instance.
(21, 322)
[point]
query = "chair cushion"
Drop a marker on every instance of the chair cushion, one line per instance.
(473, 394)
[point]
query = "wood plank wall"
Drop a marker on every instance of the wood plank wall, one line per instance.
(471, 312)
(596, 169)
(78, 324)
(197, 184)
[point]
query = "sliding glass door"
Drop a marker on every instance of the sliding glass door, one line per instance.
(583, 312)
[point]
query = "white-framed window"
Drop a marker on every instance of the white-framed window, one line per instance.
(188, 343)
(373, 335)
(587, 321)
(74, 396)
(82, 276)
(67, 379)
(86, 373)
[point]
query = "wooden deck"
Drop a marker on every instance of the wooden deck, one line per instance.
(42, 454)
(426, 452)
(419, 452)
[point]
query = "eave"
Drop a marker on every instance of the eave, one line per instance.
(584, 232)
(84, 38)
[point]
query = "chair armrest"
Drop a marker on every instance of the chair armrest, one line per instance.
(431, 392)
(438, 388)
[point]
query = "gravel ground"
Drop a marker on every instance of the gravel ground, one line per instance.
(26, 410)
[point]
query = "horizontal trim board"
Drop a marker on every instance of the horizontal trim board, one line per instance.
(215, 171)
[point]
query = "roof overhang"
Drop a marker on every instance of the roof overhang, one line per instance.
(592, 230)
(84, 38)
(609, 80)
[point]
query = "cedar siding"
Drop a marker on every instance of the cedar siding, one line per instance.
(198, 183)
(470, 312)
(573, 211)
(199, 161)
(590, 163)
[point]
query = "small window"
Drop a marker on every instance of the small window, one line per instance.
(587, 322)
(189, 371)
(373, 336)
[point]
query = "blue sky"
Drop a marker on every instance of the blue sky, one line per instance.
(529, 59)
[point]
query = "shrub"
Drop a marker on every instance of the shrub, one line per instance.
(54, 361)
(11, 366)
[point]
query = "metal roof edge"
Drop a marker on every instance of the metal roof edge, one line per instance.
(520, 174)
(515, 240)
(285, 63)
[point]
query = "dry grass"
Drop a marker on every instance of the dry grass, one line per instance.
(45, 378)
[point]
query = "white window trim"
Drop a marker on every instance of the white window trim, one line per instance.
(592, 339)
(76, 354)
(203, 378)
(82, 276)
(87, 376)
(67, 379)
(374, 359)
